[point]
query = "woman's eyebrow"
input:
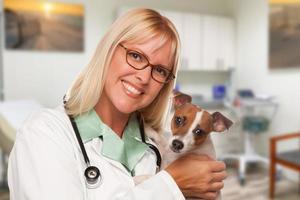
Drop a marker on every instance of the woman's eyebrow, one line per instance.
(139, 51)
(144, 54)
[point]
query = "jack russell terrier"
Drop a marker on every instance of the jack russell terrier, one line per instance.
(190, 128)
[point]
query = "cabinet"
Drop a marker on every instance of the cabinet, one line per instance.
(208, 42)
(192, 41)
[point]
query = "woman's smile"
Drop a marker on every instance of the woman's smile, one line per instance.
(131, 90)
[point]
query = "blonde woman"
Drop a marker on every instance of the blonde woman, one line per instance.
(91, 147)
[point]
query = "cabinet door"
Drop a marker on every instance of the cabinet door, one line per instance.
(192, 41)
(219, 43)
(210, 42)
(227, 42)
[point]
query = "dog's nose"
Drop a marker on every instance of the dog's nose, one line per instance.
(177, 144)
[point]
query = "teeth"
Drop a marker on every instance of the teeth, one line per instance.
(131, 89)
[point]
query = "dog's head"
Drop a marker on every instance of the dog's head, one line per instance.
(191, 125)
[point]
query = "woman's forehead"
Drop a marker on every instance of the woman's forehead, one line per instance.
(151, 46)
(160, 38)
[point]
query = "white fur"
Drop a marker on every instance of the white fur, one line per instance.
(163, 142)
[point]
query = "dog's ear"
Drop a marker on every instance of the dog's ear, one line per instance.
(180, 99)
(220, 122)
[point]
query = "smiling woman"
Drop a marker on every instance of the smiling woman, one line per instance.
(93, 146)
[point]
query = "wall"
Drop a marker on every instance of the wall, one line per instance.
(253, 72)
(45, 76)
(1, 59)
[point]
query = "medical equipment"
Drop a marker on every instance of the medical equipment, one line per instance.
(255, 116)
(92, 174)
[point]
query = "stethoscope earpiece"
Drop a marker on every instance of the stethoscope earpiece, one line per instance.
(92, 176)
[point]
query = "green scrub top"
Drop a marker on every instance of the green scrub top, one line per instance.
(127, 150)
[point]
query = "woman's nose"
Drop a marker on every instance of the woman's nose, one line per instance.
(144, 75)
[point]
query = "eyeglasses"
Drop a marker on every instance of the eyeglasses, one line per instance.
(139, 61)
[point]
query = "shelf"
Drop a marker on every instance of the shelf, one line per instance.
(208, 103)
(204, 77)
(205, 70)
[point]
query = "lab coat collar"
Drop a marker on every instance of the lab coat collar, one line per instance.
(128, 150)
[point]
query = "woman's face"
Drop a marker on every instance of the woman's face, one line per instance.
(127, 89)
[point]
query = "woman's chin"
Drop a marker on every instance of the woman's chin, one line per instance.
(126, 109)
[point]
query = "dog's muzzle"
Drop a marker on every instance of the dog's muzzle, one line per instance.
(177, 145)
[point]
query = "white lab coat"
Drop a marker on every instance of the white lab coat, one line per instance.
(46, 163)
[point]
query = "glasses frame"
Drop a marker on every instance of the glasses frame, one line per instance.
(170, 77)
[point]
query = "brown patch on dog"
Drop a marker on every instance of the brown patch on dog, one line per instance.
(188, 113)
(206, 125)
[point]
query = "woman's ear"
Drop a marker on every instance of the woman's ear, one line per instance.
(220, 122)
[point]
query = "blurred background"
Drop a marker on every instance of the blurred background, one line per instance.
(239, 57)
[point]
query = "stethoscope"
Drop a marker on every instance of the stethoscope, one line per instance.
(92, 174)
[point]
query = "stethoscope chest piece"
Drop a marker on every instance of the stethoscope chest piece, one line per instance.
(93, 177)
(92, 174)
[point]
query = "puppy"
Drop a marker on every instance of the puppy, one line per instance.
(189, 132)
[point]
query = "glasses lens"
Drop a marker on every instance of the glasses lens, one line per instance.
(160, 74)
(139, 61)
(136, 60)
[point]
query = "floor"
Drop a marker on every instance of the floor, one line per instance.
(256, 187)
(4, 195)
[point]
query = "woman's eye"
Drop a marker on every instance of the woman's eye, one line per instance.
(135, 56)
(161, 71)
(198, 132)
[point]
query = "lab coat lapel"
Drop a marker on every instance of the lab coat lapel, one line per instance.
(98, 144)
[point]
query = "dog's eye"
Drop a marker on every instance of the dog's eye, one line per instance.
(198, 132)
(179, 120)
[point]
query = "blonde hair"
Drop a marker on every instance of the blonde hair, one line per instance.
(137, 25)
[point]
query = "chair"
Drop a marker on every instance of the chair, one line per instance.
(289, 159)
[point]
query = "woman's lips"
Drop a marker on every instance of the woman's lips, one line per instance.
(131, 89)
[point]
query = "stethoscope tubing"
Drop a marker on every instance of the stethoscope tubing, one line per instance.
(92, 173)
(143, 137)
(78, 137)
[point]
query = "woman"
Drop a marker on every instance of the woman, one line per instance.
(129, 78)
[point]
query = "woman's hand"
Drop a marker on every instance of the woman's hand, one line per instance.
(198, 176)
